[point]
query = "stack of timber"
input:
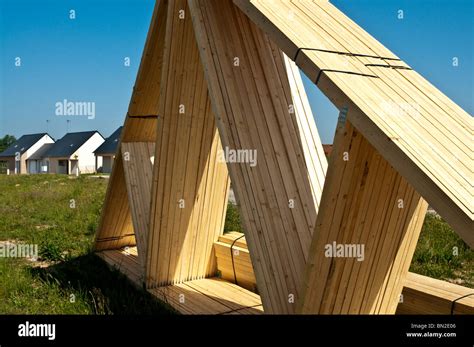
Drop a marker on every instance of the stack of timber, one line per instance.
(409, 129)
(218, 74)
(372, 214)
(421, 294)
(286, 265)
(423, 134)
(138, 166)
(258, 96)
(209, 296)
(233, 260)
(204, 296)
(424, 295)
(190, 184)
(116, 228)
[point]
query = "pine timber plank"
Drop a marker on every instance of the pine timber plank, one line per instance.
(188, 298)
(424, 295)
(395, 85)
(429, 143)
(421, 294)
(241, 262)
(252, 104)
(139, 130)
(361, 200)
(234, 297)
(314, 153)
(138, 167)
(209, 296)
(140, 124)
(126, 261)
(115, 226)
(186, 170)
(231, 237)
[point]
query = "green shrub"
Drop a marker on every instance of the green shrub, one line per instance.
(232, 219)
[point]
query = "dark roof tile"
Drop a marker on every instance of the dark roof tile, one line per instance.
(22, 144)
(71, 142)
(110, 145)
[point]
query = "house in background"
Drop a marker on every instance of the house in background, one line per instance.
(74, 153)
(18, 154)
(107, 152)
(36, 163)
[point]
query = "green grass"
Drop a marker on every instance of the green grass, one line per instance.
(51, 209)
(440, 253)
(83, 285)
(38, 209)
(232, 219)
(21, 292)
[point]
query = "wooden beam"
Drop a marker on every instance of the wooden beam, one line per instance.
(233, 260)
(252, 92)
(203, 296)
(425, 295)
(141, 121)
(420, 295)
(366, 232)
(138, 166)
(146, 91)
(138, 129)
(209, 296)
(190, 184)
(115, 226)
(424, 135)
(126, 261)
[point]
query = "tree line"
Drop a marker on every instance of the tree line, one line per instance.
(6, 142)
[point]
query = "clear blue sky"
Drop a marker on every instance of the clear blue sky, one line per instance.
(82, 59)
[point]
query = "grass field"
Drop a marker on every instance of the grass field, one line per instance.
(60, 214)
(440, 253)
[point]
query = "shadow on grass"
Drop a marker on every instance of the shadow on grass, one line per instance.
(105, 291)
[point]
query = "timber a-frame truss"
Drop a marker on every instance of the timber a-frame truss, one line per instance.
(223, 75)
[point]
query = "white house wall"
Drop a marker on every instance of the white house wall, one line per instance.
(32, 150)
(85, 154)
(100, 162)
